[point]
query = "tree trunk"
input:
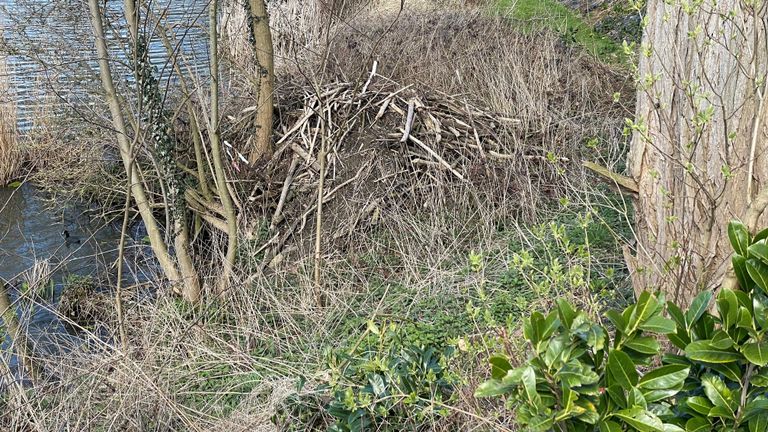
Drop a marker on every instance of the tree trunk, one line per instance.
(699, 141)
(213, 132)
(261, 147)
(126, 149)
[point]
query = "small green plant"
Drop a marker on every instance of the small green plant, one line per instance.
(579, 378)
(380, 384)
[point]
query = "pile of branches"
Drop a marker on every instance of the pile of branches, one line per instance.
(392, 141)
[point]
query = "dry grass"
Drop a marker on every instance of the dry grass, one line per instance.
(227, 365)
(10, 152)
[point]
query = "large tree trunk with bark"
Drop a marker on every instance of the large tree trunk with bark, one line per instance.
(699, 145)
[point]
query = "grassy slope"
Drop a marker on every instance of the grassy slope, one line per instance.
(552, 15)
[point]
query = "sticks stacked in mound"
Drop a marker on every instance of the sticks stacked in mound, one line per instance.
(343, 130)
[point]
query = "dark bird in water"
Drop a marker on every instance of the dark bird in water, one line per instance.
(68, 240)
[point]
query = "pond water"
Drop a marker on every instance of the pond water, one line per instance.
(51, 66)
(31, 238)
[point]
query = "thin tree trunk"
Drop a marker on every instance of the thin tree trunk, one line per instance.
(213, 130)
(699, 147)
(142, 202)
(265, 66)
(167, 169)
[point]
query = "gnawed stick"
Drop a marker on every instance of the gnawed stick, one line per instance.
(436, 156)
(408, 120)
(624, 182)
(283, 194)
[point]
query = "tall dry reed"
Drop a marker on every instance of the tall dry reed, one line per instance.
(10, 153)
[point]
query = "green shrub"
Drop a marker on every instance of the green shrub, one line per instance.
(381, 384)
(579, 378)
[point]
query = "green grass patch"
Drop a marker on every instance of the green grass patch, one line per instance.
(551, 15)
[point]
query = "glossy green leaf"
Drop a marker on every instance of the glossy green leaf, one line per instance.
(740, 270)
(641, 420)
(731, 371)
(756, 353)
(622, 369)
(493, 388)
(528, 379)
(499, 366)
(540, 424)
(738, 234)
(727, 306)
(618, 321)
(677, 315)
(760, 310)
(643, 345)
(757, 407)
(698, 424)
(760, 379)
(658, 324)
(721, 340)
(758, 424)
(566, 313)
(759, 251)
(700, 404)
(609, 426)
(698, 306)
(652, 396)
(665, 377)
(758, 271)
(548, 325)
(762, 235)
(645, 308)
(704, 351)
(719, 394)
(680, 339)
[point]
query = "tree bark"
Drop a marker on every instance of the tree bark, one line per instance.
(126, 152)
(699, 144)
(261, 147)
(218, 166)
